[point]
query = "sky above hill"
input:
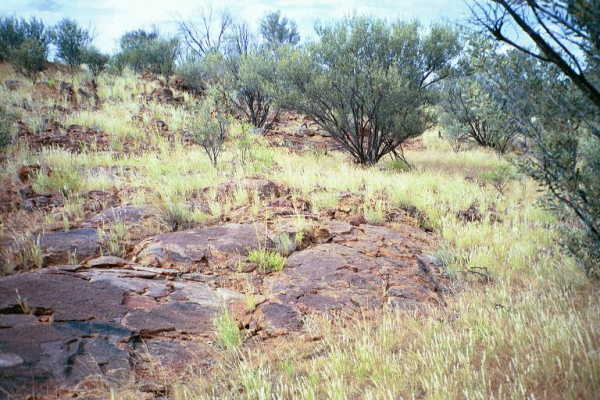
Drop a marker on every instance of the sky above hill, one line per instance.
(111, 18)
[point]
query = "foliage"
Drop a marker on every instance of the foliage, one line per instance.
(210, 126)
(29, 58)
(368, 83)
(472, 111)
(555, 101)
(71, 41)
(193, 75)
(277, 30)
(266, 260)
(146, 51)
(95, 60)
(14, 32)
(228, 334)
(246, 82)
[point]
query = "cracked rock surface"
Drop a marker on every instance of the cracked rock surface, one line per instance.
(113, 317)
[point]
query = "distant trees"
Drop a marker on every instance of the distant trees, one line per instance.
(277, 30)
(71, 42)
(553, 92)
(24, 43)
(368, 83)
(29, 58)
(208, 34)
(148, 51)
(15, 31)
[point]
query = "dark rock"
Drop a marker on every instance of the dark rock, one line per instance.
(192, 248)
(59, 247)
(181, 316)
(66, 297)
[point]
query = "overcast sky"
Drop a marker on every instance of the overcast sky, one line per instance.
(111, 18)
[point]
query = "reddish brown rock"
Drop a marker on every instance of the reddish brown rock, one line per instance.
(198, 248)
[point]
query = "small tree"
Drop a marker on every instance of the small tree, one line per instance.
(367, 83)
(210, 127)
(277, 30)
(95, 60)
(29, 58)
(71, 41)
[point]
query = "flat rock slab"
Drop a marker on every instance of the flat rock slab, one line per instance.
(193, 249)
(59, 327)
(61, 247)
(358, 267)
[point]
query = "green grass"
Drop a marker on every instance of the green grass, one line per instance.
(266, 260)
(227, 333)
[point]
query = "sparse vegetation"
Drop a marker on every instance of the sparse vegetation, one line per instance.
(510, 314)
(266, 260)
(228, 334)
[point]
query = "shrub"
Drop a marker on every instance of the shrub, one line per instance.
(29, 58)
(71, 42)
(555, 99)
(14, 32)
(146, 51)
(368, 83)
(210, 127)
(472, 114)
(95, 60)
(266, 260)
(246, 82)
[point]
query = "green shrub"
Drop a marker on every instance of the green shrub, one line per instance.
(147, 52)
(71, 42)
(368, 83)
(29, 58)
(14, 32)
(278, 30)
(95, 60)
(210, 126)
(266, 260)
(228, 334)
